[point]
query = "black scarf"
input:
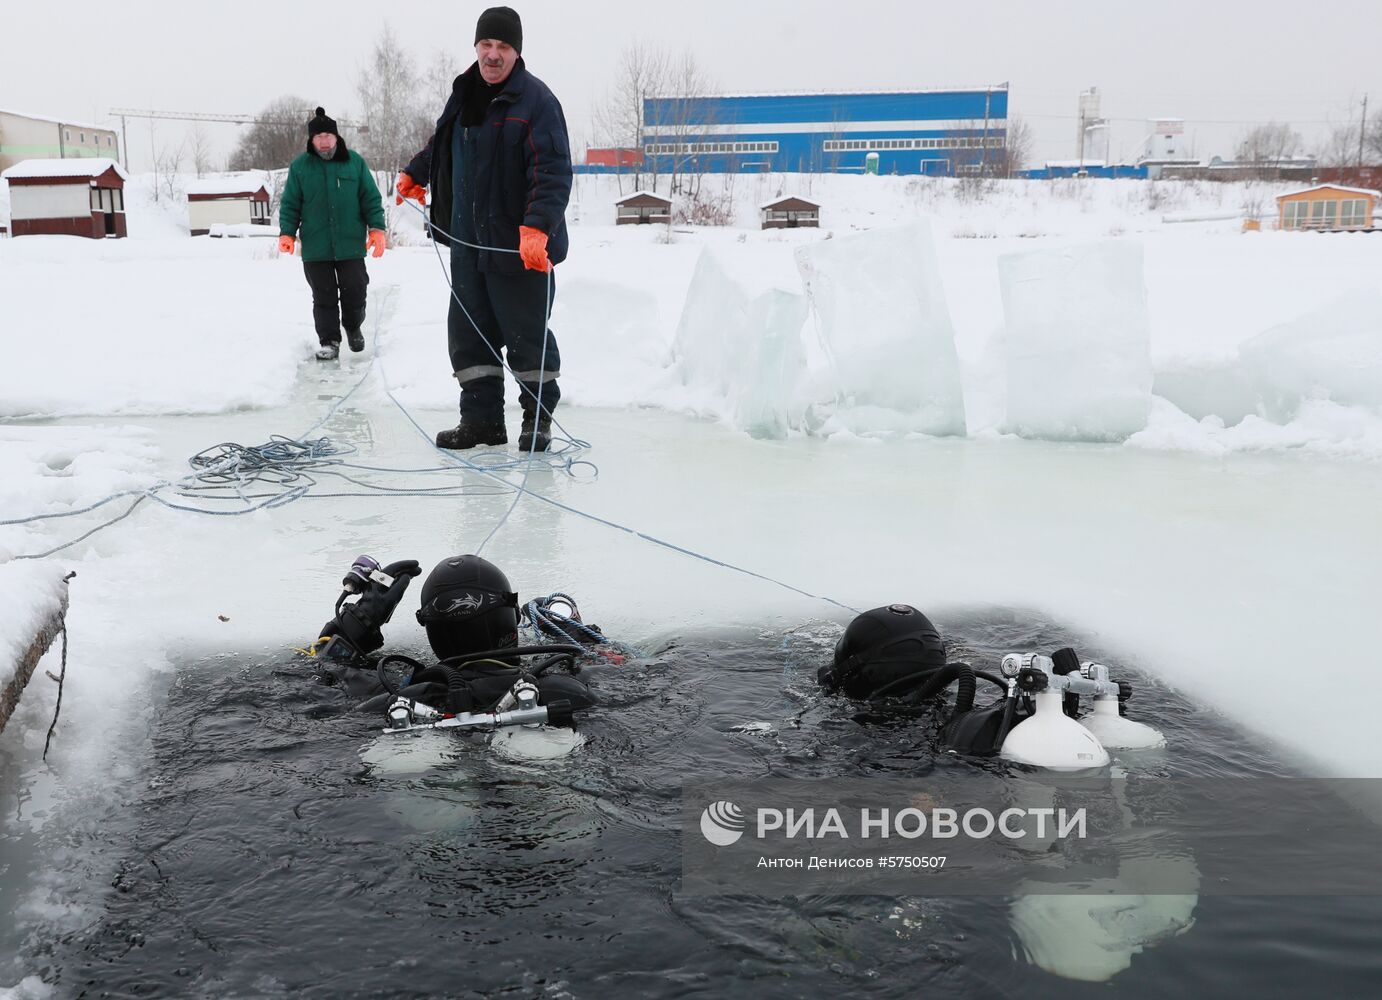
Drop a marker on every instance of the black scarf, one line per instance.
(477, 102)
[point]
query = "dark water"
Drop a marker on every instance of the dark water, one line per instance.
(262, 854)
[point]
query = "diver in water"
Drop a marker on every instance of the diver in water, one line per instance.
(894, 658)
(482, 678)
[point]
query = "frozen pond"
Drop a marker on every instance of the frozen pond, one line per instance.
(208, 822)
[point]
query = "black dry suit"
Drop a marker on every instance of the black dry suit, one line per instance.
(450, 687)
(472, 623)
(480, 686)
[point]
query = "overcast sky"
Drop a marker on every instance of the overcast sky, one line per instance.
(1222, 65)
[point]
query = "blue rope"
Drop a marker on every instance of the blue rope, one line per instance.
(429, 225)
(281, 455)
(522, 487)
(539, 612)
(547, 623)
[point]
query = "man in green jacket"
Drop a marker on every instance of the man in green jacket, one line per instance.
(332, 198)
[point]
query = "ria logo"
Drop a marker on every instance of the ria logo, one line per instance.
(722, 823)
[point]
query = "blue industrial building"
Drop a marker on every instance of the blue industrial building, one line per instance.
(940, 132)
(1069, 168)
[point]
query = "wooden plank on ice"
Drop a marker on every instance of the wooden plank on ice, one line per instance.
(24, 669)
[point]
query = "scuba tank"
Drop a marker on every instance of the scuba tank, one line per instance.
(1048, 737)
(894, 656)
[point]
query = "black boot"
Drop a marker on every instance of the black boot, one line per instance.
(535, 438)
(329, 352)
(356, 340)
(469, 435)
(536, 434)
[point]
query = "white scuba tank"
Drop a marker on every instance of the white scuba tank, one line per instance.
(1118, 733)
(1051, 739)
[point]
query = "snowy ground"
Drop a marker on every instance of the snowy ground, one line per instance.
(1227, 545)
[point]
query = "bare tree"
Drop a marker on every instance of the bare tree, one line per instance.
(167, 160)
(1017, 147)
(1266, 146)
(836, 139)
(969, 157)
(687, 121)
(658, 99)
(1340, 146)
(199, 148)
(618, 119)
(1372, 138)
(278, 136)
(437, 80)
(675, 87)
(391, 105)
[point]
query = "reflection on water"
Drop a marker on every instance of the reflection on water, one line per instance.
(276, 846)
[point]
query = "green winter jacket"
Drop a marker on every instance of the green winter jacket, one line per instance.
(334, 202)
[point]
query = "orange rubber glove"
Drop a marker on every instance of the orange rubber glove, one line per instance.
(374, 243)
(286, 244)
(409, 188)
(532, 247)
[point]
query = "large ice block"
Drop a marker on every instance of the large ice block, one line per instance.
(772, 368)
(1078, 341)
(883, 320)
(741, 350)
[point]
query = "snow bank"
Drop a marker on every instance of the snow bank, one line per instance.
(1333, 353)
(1313, 383)
(124, 327)
(1319, 427)
(1088, 208)
(160, 323)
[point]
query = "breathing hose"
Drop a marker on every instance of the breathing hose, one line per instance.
(511, 651)
(384, 677)
(932, 682)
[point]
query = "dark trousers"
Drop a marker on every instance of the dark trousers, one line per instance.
(338, 295)
(508, 313)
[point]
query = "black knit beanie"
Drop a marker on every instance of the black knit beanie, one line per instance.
(320, 124)
(503, 25)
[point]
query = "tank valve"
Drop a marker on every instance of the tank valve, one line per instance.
(400, 714)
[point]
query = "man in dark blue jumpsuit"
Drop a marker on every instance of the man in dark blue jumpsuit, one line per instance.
(499, 166)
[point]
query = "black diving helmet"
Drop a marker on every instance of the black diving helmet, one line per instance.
(468, 607)
(880, 648)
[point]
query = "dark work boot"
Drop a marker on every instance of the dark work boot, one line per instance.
(356, 340)
(537, 438)
(527, 441)
(469, 435)
(328, 352)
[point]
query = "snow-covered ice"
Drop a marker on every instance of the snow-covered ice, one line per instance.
(1332, 352)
